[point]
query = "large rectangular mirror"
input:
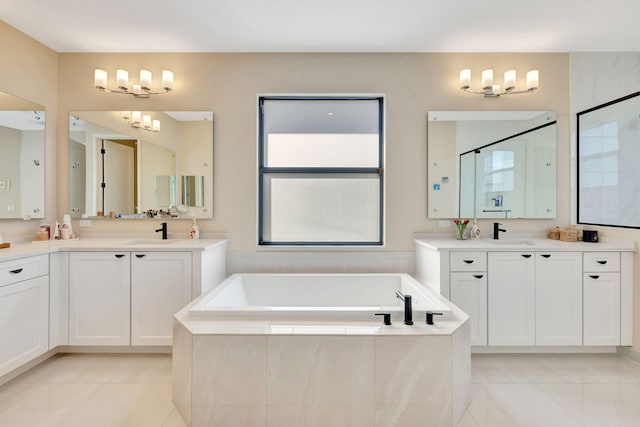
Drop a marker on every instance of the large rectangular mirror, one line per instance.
(491, 164)
(129, 164)
(22, 150)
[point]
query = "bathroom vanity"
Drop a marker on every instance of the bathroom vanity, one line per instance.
(99, 292)
(535, 292)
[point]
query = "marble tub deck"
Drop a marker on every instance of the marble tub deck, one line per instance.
(309, 374)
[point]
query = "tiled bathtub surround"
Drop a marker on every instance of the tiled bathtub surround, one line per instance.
(323, 380)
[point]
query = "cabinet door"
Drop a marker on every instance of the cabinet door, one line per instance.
(160, 286)
(559, 298)
(602, 309)
(469, 292)
(24, 322)
(99, 298)
(511, 289)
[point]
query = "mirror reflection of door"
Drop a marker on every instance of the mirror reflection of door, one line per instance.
(77, 173)
(116, 160)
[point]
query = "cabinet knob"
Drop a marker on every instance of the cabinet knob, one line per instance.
(119, 255)
(545, 255)
(468, 261)
(602, 262)
(526, 255)
(16, 271)
(594, 276)
(478, 276)
(140, 255)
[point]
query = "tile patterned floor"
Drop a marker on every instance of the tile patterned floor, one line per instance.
(508, 390)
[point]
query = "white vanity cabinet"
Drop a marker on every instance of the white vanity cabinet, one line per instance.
(511, 302)
(468, 290)
(99, 298)
(558, 298)
(24, 310)
(601, 298)
(160, 287)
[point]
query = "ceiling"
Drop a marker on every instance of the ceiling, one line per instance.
(328, 25)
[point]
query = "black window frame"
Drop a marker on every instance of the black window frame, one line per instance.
(264, 170)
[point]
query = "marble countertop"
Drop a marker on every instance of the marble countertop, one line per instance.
(524, 243)
(132, 243)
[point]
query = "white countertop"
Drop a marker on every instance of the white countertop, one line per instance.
(130, 244)
(524, 243)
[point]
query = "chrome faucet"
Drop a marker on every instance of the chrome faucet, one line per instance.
(497, 230)
(163, 228)
(408, 313)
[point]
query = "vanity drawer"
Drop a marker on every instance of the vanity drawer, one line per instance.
(468, 261)
(21, 269)
(601, 261)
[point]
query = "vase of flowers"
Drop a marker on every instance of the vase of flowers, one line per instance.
(461, 225)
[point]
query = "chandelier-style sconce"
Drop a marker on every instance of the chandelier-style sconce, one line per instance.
(142, 90)
(141, 121)
(491, 90)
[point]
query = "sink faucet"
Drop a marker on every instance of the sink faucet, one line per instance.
(497, 230)
(408, 314)
(163, 228)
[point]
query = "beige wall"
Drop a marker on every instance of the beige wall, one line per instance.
(227, 84)
(30, 71)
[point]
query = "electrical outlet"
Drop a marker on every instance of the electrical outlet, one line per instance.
(444, 223)
(85, 223)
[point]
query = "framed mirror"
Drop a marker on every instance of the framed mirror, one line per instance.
(22, 158)
(491, 164)
(130, 164)
(607, 168)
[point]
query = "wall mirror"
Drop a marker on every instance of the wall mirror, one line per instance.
(129, 164)
(608, 174)
(491, 164)
(22, 151)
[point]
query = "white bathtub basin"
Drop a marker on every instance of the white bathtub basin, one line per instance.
(318, 296)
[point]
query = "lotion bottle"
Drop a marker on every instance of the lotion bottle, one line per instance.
(474, 233)
(194, 232)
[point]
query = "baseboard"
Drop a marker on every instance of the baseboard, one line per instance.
(541, 349)
(115, 349)
(30, 364)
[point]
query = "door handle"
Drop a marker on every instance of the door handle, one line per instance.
(119, 255)
(140, 255)
(16, 271)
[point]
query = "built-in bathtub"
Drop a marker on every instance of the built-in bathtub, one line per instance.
(308, 350)
(354, 297)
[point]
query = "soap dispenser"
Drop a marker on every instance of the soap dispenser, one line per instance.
(194, 232)
(474, 232)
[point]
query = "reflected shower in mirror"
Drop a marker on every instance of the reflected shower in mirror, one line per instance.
(22, 158)
(492, 164)
(121, 167)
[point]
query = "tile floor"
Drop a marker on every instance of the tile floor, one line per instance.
(508, 390)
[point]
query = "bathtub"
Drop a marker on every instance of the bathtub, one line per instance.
(308, 350)
(354, 297)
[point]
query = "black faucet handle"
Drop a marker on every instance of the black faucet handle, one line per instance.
(430, 315)
(386, 319)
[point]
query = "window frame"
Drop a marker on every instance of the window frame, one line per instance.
(319, 171)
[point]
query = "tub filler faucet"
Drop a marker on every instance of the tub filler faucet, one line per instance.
(408, 314)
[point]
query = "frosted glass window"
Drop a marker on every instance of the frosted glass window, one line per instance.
(322, 209)
(321, 171)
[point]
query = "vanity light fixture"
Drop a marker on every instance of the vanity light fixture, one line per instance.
(142, 90)
(491, 90)
(141, 121)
